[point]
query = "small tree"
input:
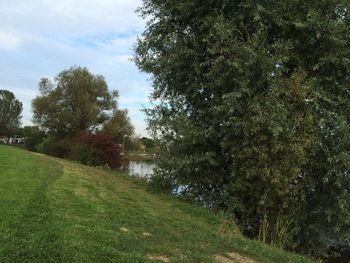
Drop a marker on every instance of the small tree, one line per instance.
(10, 112)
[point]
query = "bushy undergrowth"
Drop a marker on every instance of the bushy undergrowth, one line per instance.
(90, 149)
(96, 150)
(55, 146)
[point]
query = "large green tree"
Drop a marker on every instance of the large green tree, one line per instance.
(253, 109)
(76, 101)
(10, 112)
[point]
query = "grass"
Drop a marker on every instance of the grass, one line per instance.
(54, 210)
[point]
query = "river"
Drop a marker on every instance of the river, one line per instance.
(142, 169)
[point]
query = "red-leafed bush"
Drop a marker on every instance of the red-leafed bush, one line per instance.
(98, 149)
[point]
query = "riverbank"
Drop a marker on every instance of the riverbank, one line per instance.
(55, 210)
(139, 156)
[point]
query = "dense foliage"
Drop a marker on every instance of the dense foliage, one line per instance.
(119, 126)
(76, 101)
(79, 102)
(33, 136)
(253, 108)
(148, 143)
(98, 150)
(10, 113)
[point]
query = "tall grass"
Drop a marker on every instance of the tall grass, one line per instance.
(279, 232)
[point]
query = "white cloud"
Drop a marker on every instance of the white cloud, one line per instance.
(113, 61)
(78, 17)
(8, 41)
(51, 35)
(25, 94)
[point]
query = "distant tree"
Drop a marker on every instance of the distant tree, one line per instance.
(77, 101)
(148, 143)
(10, 112)
(33, 136)
(118, 126)
(137, 144)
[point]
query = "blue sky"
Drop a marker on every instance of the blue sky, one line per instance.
(40, 38)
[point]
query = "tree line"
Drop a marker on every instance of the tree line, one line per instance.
(75, 116)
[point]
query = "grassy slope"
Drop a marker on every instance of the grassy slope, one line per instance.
(58, 211)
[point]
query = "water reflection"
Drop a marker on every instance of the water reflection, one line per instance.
(142, 169)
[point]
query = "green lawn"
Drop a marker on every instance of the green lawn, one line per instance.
(58, 211)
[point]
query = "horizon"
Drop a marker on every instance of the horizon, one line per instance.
(41, 38)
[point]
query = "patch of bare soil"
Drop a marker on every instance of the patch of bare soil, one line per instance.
(159, 258)
(222, 259)
(233, 258)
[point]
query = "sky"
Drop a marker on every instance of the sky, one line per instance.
(40, 38)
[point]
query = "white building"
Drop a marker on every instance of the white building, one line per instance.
(12, 140)
(4, 140)
(17, 140)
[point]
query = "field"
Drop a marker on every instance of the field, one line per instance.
(54, 210)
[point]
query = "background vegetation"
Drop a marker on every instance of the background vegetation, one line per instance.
(10, 112)
(77, 117)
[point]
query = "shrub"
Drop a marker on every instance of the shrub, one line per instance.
(97, 149)
(54, 146)
(33, 136)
